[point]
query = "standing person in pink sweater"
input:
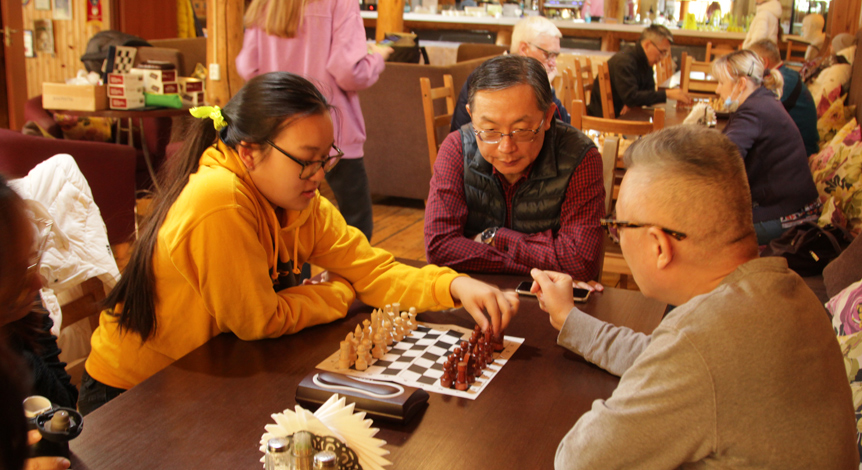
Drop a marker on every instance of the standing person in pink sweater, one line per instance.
(324, 41)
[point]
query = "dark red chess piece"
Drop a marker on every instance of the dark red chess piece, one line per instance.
(461, 381)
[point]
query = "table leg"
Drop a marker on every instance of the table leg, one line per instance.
(146, 152)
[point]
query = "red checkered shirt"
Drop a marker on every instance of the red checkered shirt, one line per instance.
(574, 248)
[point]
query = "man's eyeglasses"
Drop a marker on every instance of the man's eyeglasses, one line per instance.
(548, 54)
(312, 167)
(664, 53)
(613, 227)
(32, 271)
(520, 135)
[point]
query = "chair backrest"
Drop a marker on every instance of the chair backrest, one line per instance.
(580, 120)
(605, 93)
(610, 155)
(714, 52)
(435, 121)
(795, 51)
(702, 84)
(567, 90)
(469, 51)
(583, 79)
(663, 71)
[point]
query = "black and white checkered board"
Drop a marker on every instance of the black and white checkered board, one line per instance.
(417, 360)
(123, 59)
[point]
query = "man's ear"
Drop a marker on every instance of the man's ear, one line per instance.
(661, 247)
(469, 113)
(522, 48)
(246, 153)
(549, 116)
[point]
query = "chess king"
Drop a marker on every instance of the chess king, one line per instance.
(516, 188)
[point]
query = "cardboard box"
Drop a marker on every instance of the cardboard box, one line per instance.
(74, 97)
(126, 90)
(126, 79)
(151, 76)
(162, 88)
(193, 99)
(127, 102)
(191, 85)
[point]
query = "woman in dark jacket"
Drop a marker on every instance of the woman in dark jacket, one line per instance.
(782, 188)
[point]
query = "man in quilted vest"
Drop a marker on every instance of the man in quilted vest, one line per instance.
(516, 189)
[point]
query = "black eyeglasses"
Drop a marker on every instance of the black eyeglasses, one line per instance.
(660, 51)
(312, 167)
(548, 54)
(520, 135)
(613, 227)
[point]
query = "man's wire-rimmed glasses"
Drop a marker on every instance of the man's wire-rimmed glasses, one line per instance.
(520, 135)
(312, 167)
(548, 54)
(664, 53)
(613, 227)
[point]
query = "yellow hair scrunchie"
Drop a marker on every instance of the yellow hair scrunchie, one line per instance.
(212, 112)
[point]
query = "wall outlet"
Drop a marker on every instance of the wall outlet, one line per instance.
(215, 72)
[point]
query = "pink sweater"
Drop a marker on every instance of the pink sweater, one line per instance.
(330, 50)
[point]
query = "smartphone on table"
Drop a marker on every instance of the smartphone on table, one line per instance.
(578, 294)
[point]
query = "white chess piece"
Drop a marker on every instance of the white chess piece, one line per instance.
(405, 324)
(344, 357)
(388, 332)
(412, 314)
(379, 348)
(361, 363)
(399, 330)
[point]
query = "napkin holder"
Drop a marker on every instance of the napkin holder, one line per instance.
(379, 400)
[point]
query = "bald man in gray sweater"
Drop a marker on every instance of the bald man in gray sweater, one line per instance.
(746, 371)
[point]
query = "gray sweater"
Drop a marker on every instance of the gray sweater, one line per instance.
(746, 376)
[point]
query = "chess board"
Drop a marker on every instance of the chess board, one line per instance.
(417, 360)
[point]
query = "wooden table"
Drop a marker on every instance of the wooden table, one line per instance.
(208, 409)
(130, 116)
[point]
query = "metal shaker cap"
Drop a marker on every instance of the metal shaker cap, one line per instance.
(277, 445)
(325, 459)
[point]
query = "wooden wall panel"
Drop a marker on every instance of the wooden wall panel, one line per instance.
(70, 42)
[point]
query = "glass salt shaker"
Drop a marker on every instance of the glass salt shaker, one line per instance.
(277, 454)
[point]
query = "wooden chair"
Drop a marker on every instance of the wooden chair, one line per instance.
(605, 93)
(714, 52)
(88, 306)
(697, 87)
(432, 121)
(583, 83)
(567, 91)
(613, 171)
(795, 56)
(663, 71)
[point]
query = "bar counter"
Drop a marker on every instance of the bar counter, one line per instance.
(611, 34)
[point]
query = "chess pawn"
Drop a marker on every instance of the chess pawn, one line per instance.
(446, 380)
(396, 309)
(405, 324)
(379, 348)
(352, 343)
(399, 332)
(367, 343)
(361, 362)
(387, 332)
(497, 342)
(344, 356)
(366, 323)
(412, 314)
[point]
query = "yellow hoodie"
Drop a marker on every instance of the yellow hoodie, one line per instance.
(215, 260)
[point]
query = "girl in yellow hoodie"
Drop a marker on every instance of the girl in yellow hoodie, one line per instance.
(238, 215)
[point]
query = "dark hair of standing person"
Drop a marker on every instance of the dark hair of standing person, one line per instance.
(258, 112)
(506, 71)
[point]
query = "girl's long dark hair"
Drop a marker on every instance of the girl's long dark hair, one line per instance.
(258, 112)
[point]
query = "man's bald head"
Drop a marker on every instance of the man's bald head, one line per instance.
(692, 180)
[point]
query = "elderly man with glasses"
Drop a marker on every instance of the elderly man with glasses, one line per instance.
(515, 189)
(536, 37)
(745, 372)
(631, 73)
